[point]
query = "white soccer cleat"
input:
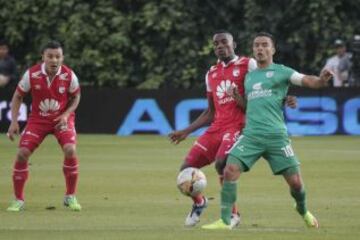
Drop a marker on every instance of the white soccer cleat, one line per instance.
(235, 220)
(194, 216)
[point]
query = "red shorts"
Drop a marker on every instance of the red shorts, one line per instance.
(211, 146)
(34, 133)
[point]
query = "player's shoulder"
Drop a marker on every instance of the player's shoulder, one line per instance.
(281, 67)
(214, 67)
(65, 68)
(34, 71)
(242, 60)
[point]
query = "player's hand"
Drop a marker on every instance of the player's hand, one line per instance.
(13, 130)
(177, 136)
(233, 92)
(326, 75)
(61, 122)
(291, 101)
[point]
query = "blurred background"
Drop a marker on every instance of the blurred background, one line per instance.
(142, 63)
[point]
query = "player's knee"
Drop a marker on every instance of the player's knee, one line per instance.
(220, 165)
(231, 172)
(23, 154)
(296, 186)
(69, 151)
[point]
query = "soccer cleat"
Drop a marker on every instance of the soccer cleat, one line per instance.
(16, 206)
(310, 220)
(194, 216)
(235, 220)
(218, 225)
(71, 202)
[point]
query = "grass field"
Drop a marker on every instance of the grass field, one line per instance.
(127, 190)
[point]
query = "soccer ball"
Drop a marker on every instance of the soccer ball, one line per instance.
(191, 181)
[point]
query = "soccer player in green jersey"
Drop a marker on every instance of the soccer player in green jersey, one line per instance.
(265, 133)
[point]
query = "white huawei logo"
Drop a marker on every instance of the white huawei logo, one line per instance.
(223, 87)
(49, 105)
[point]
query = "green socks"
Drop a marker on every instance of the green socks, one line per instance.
(228, 198)
(300, 198)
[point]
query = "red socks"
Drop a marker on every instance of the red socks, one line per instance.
(70, 169)
(20, 175)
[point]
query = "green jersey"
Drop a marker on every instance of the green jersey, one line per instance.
(265, 90)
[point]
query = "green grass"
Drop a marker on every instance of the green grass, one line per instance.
(127, 190)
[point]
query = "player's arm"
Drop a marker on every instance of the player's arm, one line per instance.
(311, 81)
(22, 89)
(239, 99)
(205, 118)
(16, 101)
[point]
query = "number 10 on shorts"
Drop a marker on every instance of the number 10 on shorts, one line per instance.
(288, 151)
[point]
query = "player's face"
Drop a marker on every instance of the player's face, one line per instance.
(223, 46)
(53, 59)
(263, 49)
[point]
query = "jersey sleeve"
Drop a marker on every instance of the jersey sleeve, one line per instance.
(252, 65)
(74, 85)
(296, 78)
(293, 76)
(208, 88)
(24, 85)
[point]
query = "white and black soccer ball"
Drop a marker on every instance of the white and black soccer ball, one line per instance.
(191, 181)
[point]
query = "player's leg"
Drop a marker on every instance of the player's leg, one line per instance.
(200, 155)
(67, 140)
(293, 178)
(228, 140)
(242, 156)
(282, 160)
(31, 137)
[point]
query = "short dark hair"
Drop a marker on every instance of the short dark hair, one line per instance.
(222, 31)
(265, 34)
(52, 44)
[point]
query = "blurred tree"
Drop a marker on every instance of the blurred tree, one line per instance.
(167, 43)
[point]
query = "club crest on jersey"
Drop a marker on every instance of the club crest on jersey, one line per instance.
(36, 74)
(269, 74)
(214, 75)
(63, 76)
(61, 90)
(236, 72)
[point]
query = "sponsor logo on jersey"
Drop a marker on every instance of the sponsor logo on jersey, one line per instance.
(236, 72)
(259, 92)
(36, 74)
(63, 76)
(48, 105)
(221, 91)
(269, 74)
(37, 86)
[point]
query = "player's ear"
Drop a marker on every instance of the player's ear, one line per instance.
(234, 45)
(273, 50)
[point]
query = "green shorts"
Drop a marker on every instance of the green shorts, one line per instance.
(276, 150)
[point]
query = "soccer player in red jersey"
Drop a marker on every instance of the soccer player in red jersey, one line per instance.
(55, 93)
(224, 114)
(226, 118)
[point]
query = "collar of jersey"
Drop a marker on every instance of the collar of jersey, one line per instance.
(232, 61)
